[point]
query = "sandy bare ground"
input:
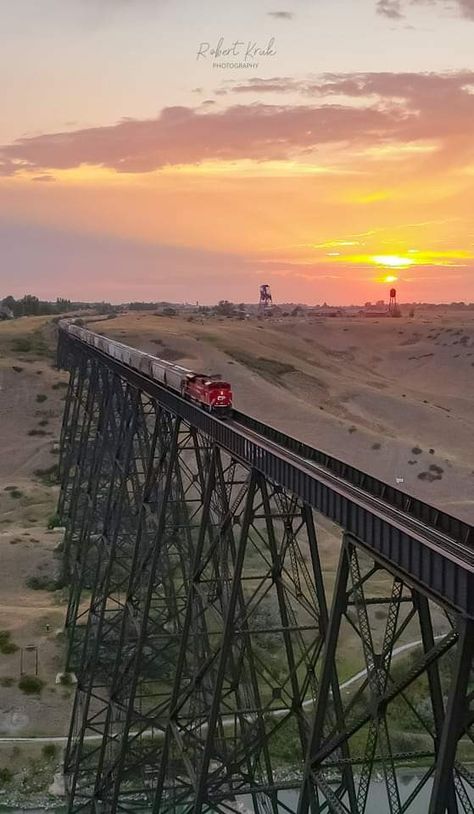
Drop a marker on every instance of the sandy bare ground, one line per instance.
(393, 397)
(31, 393)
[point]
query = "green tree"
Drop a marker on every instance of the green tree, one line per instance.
(9, 302)
(225, 308)
(31, 305)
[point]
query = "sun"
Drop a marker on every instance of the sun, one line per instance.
(390, 278)
(392, 260)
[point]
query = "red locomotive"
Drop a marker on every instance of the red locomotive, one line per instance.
(211, 392)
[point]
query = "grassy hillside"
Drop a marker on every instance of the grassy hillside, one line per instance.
(32, 605)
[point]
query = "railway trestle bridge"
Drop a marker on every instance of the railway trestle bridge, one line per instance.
(225, 583)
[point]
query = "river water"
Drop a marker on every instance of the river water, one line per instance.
(377, 802)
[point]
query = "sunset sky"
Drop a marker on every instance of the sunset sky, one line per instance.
(136, 166)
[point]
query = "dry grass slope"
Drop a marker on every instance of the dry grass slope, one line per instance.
(393, 397)
(31, 611)
(368, 391)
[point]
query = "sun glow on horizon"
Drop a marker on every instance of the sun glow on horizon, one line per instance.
(392, 260)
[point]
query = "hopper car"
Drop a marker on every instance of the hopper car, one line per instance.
(208, 391)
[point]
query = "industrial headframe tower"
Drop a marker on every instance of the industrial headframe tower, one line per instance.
(266, 303)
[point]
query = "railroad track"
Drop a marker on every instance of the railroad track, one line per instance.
(426, 533)
(430, 515)
(433, 549)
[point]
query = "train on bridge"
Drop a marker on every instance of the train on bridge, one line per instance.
(210, 392)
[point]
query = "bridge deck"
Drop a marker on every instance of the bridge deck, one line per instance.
(428, 547)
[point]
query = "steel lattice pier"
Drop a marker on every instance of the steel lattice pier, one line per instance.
(215, 649)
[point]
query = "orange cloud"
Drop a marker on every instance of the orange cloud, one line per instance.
(372, 164)
(380, 110)
(183, 135)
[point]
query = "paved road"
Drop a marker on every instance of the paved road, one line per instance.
(277, 713)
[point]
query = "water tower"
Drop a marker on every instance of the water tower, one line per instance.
(392, 306)
(265, 304)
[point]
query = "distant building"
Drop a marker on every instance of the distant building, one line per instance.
(379, 309)
(326, 311)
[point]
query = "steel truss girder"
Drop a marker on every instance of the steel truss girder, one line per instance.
(373, 708)
(441, 563)
(200, 635)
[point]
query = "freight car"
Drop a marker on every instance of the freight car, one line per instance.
(209, 391)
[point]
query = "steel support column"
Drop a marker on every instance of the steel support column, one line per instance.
(456, 721)
(209, 672)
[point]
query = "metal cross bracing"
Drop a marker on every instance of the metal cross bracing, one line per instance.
(210, 675)
(396, 715)
(163, 633)
(428, 547)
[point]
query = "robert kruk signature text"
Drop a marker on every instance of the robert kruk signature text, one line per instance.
(238, 48)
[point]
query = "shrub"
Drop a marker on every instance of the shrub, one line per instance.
(37, 432)
(48, 476)
(8, 648)
(31, 685)
(22, 345)
(429, 476)
(54, 521)
(6, 775)
(7, 681)
(6, 645)
(59, 386)
(267, 368)
(15, 494)
(41, 397)
(404, 742)
(34, 343)
(17, 368)
(50, 750)
(43, 583)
